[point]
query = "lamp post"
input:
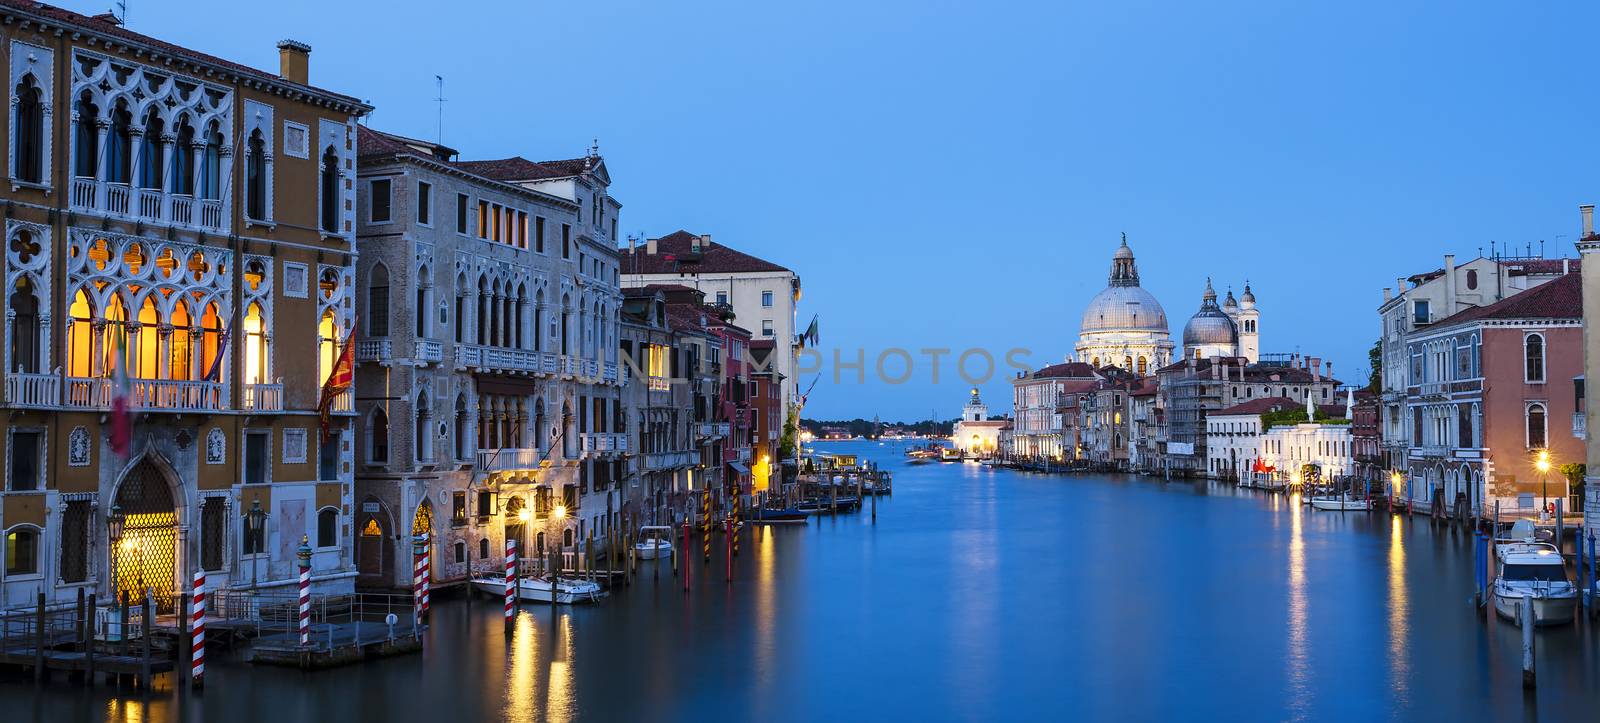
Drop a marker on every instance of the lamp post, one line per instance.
(255, 523)
(1543, 465)
(115, 521)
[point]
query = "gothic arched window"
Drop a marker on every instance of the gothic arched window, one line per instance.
(1533, 357)
(421, 439)
(150, 151)
(86, 139)
(255, 176)
(29, 133)
(255, 346)
(183, 160)
(119, 150)
(378, 437)
(330, 192)
(211, 165)
(24, 308)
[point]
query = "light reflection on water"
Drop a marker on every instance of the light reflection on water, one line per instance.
(1299, 657)
(1399, 612)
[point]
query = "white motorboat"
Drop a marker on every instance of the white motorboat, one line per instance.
(1534, 571)
(655, 541)
(1338, 504)
(1522, 532)
(537, 589)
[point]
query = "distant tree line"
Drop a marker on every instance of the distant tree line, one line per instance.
(866, 428)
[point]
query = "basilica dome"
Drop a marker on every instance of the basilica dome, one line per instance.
(1210, 326)
(1124, 308)
(1124, 325)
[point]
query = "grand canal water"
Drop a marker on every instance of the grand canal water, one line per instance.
(977, 595)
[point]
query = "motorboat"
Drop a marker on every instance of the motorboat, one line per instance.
(812, 507)
(774, 516)
(949, 454)
(1534, 571)
(1522, 532)
(1339, 503)
(655, 541)
(537, 589)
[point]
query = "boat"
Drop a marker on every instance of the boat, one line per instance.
(1534, 571)
(1340, 503)
(537, 589)
(1522, 532)
(949, 454)
(655, 541)
(774, 516)
(812, 507)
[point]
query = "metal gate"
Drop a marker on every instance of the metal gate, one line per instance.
(146, 556)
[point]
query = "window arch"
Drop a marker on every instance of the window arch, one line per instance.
(210, 340)
(150, 150)
(28, 136)
(378, 437)
(180, 344)
(211, 164)
(538, 320)
(327, 346)
(330, 191)
(422, 441)
(378, 301)
(119, 150)
(80, 337)
(328, 527)
(256, 353)
(541, 437)
(145, 342)
(255, 176)
(480, 318)
(1533, 357)
(1537, 429)
(461, 308)
(183, 159)
(24, 313)
(86, 138)
(22, 550)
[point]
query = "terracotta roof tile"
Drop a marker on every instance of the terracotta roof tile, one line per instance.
(674, 254)
(517, 168)
(1558, 299)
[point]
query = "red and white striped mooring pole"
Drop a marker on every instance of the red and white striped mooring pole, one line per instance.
(418, 589)
(427, 574)
(511, 579)
(197, 654)
(305, 590)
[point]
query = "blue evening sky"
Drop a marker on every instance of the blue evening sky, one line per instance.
(956, 174)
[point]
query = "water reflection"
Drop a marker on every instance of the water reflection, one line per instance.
(562, 702)
(1298, 654)
(1399, 612)
(766, 605)
(520, 700)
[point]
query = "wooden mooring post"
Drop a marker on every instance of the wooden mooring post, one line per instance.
(88, 636)
(1528, 679)
(144, 662)
(38, 641)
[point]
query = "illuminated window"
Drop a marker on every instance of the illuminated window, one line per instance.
(80, 337)
(255, 346)
(146, 341)
(327, 347)
(22, 551)
(180, 348)
(210, 339)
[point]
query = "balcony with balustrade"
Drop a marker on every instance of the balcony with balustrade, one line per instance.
(509, 459)
(26, 389)
(604, 443)
(374, 350)
(1580, 425)
(428, 352)
(497, 360)
(713, 429)
(168, 395)
(153, 205)
(262, 397)
(658, 461)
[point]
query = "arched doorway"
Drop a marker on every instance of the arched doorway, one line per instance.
(372, 564)
(515, 526)
(145, 558)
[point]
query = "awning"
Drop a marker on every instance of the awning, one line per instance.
(739, 467)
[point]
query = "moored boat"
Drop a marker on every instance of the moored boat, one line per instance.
(1521, 532)
(655, 541)
(537, 589)
(1534, 571)
(774, 516)
(1339, 504)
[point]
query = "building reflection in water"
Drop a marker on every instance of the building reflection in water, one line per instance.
(520, 700)
(1399, 611)
(1299, 655)
(563, 701)
(766, 606)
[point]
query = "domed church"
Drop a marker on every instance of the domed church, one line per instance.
(1124, 326)
(1229, 330)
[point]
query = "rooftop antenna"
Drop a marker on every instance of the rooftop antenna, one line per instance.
(122, 12)
(438, 82)
(1541, 248)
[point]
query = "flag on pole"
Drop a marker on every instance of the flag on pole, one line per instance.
(809, 338)
(121, 392)
(339, 380)
(214, 374)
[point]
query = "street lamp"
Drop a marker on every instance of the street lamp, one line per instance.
(115, 521)
(1543, 465)
(255, 523)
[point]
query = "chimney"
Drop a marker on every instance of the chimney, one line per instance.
(1386, 295)
(694, 244)
(1565, 268)
(1587, 211)
(705, 240)
(1330, 369)
(1316, 369)
(294, 61)
(1449, 284)
(650, 246)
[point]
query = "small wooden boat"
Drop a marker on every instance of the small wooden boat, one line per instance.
(655, 541)
(773, 516)
(537, 589)
(1339, 504)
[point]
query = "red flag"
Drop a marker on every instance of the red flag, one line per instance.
(339, 380)
(121, 392)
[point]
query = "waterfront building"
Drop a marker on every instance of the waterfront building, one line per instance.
(1489, 390)
(767, 414)
(732, 420)
(1366, 438)
(1233, 436)
(1193, 388)
(1289, 449)
(1589, 250)
(1420, 300)
(1123, 325)
(488, 380)
(764, 295)
(976, 435)
(1148, 425)
(188, 219)
(664, 473)
(691, 322)
(1110, 420)
(1035, 398)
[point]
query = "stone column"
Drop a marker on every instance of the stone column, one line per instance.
(1589, 251)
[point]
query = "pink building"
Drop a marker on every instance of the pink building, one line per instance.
(1490, 389)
